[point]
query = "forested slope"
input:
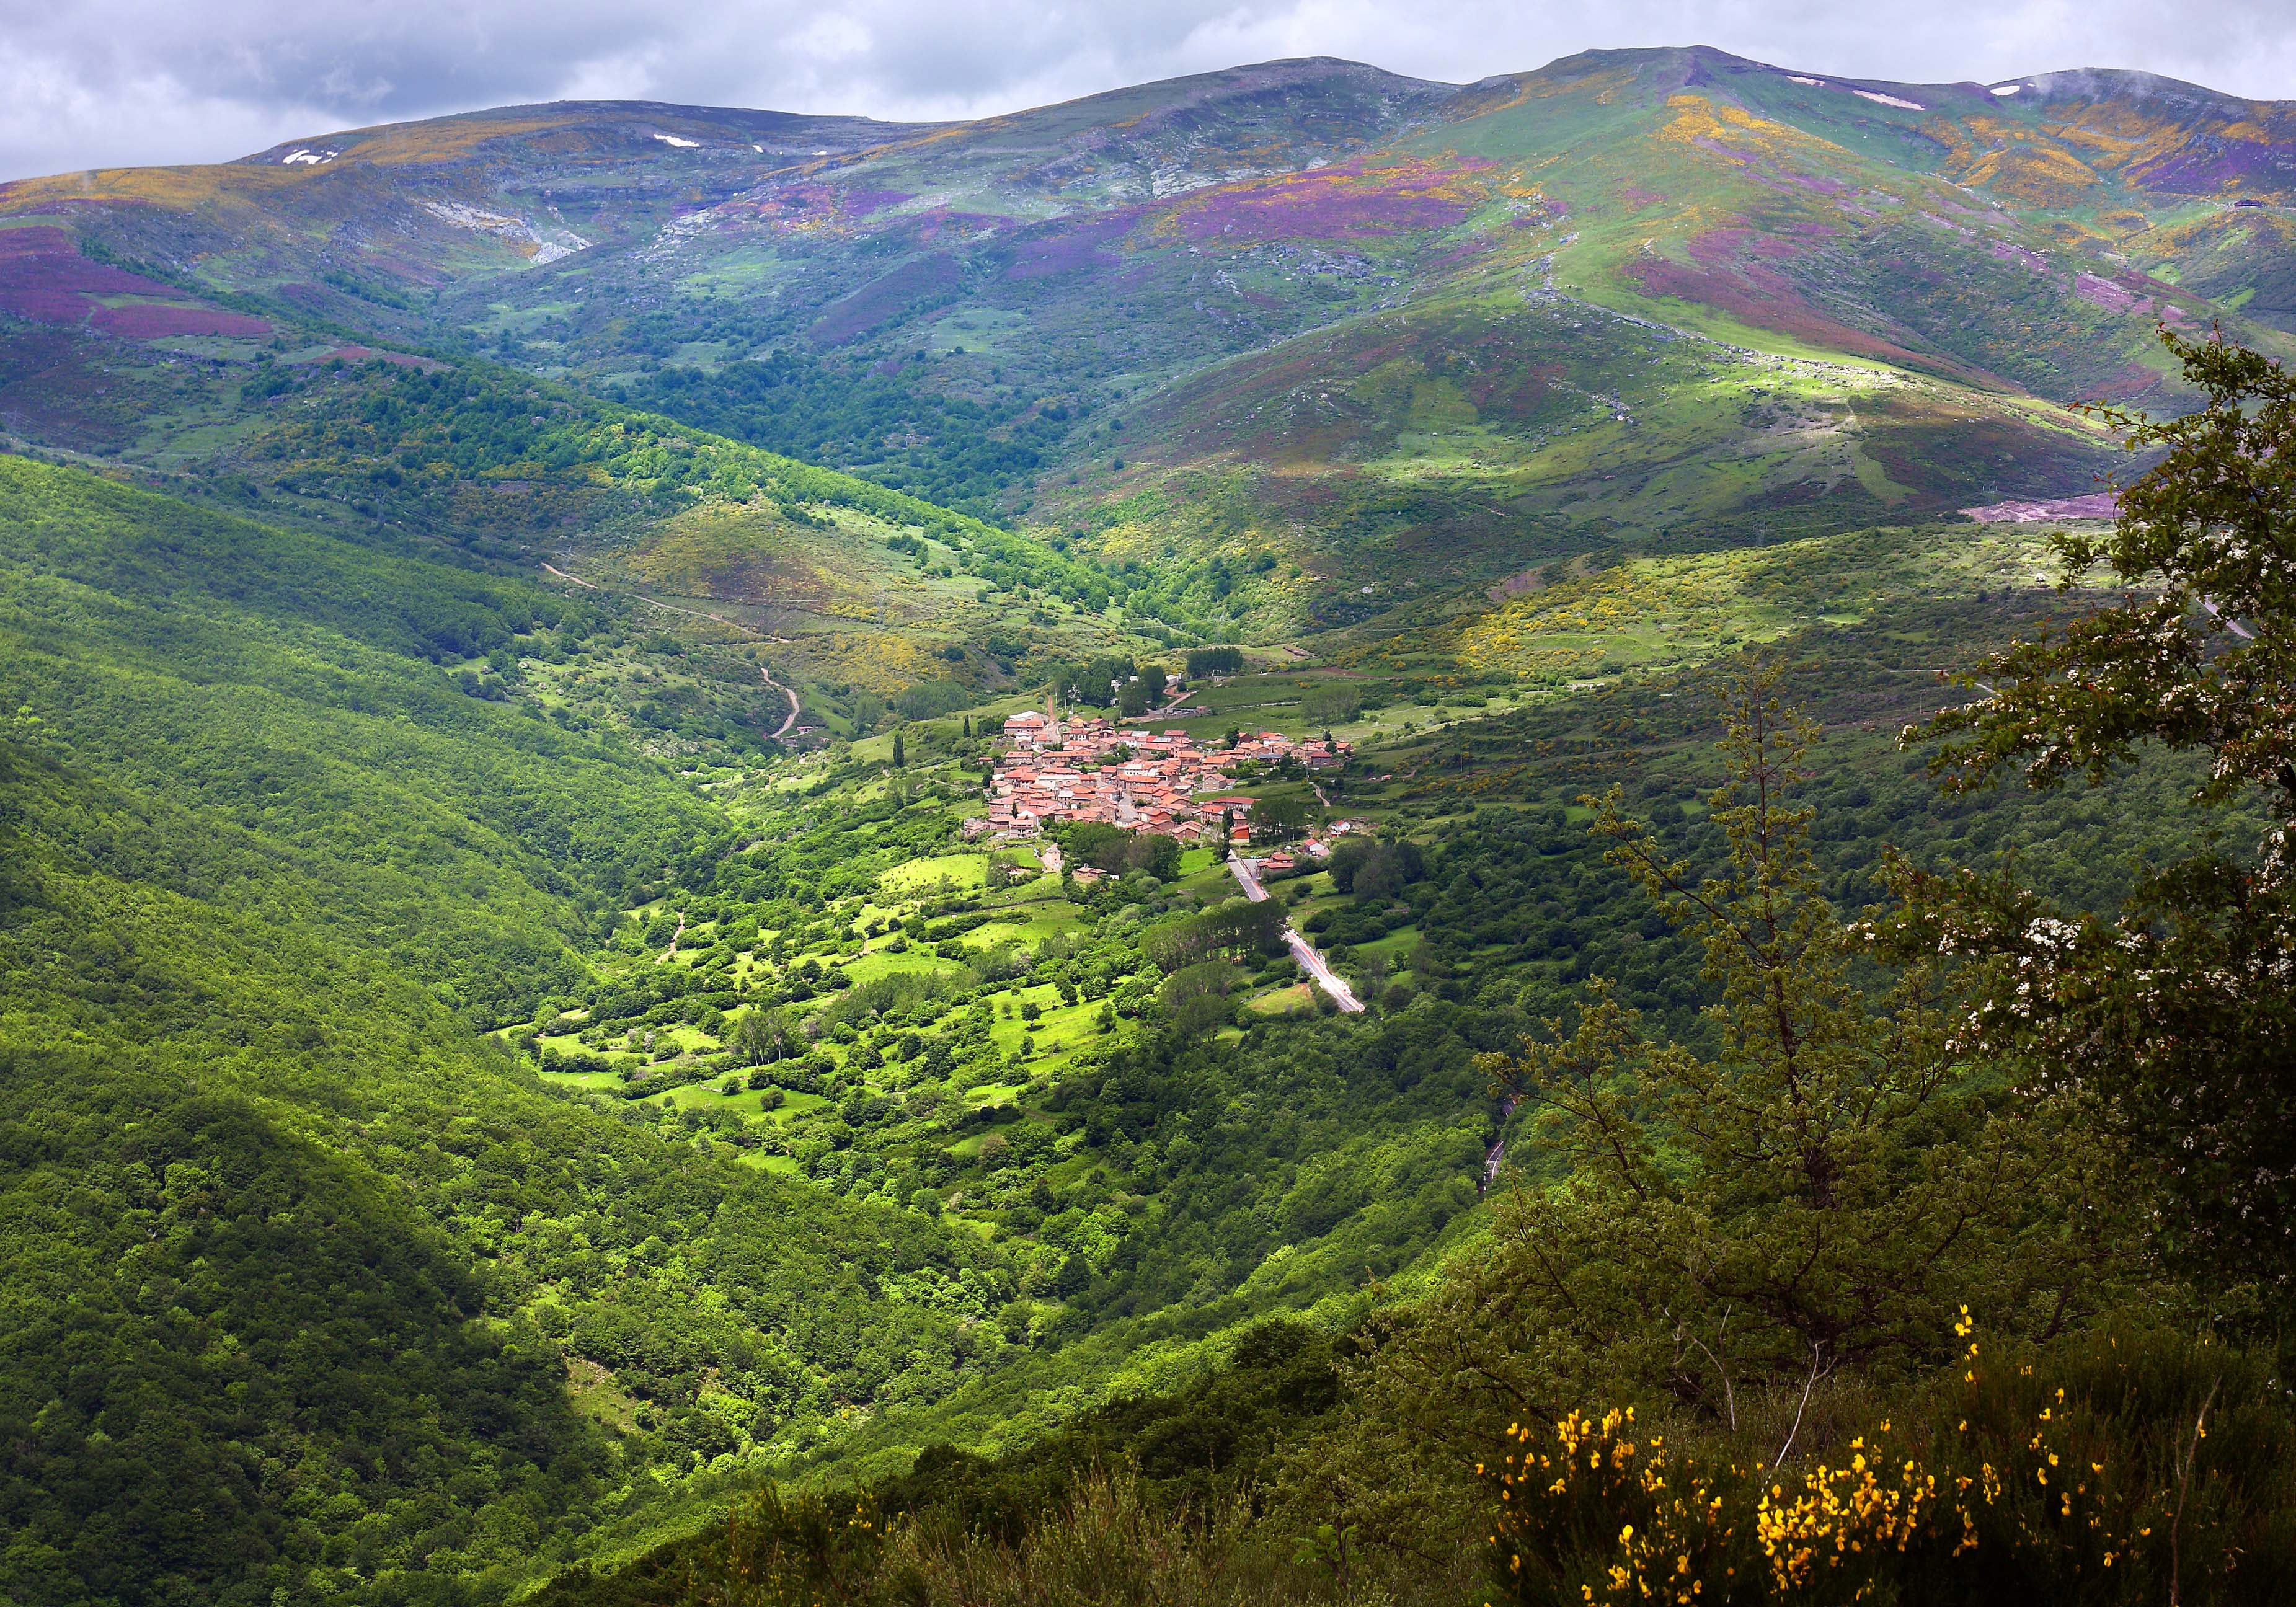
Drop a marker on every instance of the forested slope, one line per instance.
(279, 1222)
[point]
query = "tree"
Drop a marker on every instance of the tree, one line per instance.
(1829, 1183)
(1236, 929)
(1279, 818)
(1375, 870)
(2178, 1009)
(1097, 682)
(900, 752)
(1116, 849)
(762, 1036)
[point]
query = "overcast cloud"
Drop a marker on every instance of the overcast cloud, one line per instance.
(88, 83)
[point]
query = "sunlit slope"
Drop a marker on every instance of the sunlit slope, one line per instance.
(2010, 235)
(834, 570)
(1656, 297)
(1471, 437)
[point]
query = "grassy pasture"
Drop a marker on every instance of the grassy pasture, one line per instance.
(942, 873)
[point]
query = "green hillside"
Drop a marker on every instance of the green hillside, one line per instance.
(531, 1071)
(268, 864)
(273, 861)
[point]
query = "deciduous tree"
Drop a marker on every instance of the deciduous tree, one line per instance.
(2179, 1008)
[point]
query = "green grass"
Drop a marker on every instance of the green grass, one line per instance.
(587, 1081)
(949, 873)
(916, 962)
(1284, 1001)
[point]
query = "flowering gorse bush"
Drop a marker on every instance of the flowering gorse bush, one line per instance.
(2105, 1486)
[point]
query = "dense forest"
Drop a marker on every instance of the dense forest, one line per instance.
(955, 451)
(280, 1220)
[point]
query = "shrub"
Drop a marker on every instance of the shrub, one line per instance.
(2125, 1466)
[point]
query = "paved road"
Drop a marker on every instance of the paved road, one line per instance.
(1301, 949)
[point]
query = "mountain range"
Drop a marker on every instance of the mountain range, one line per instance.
(1401, 338)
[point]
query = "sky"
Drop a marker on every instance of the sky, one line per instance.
(91, 83)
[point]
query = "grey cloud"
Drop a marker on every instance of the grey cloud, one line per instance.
(96, 82)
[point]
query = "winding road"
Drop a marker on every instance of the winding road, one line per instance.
(791, 718)
(1313, 963)
(694, 613)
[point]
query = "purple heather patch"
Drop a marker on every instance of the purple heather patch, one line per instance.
(2111, 297)
(1722, 248)
(2019, 255)
(1345, 202)
(1474, 248)
(1777, 178)
(2218, 165)
(43, 277)
(881, 300)
(1065, 248)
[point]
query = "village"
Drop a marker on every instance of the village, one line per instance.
(1093, 769)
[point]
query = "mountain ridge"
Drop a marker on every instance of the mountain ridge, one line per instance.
(1012, 292)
